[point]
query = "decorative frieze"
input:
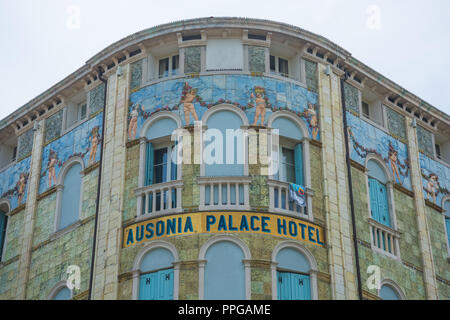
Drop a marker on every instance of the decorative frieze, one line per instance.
(396, 124)
(136, 75)
(351, 98)
(311, 75)
(425, 141)
(96, 98)
(53, 126)
(25, 142)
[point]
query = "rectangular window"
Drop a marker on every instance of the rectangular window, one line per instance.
(175, 64)
(272, 64)
(288, 164)
(379, 205)
(224, 54)
(283, 67)
(365, 109)
(438, 151)
(75, 113)
(163, 67)
(3, 223)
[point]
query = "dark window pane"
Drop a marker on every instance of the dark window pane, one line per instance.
(164, 67)
(283, 67)
(272, 63)
(175, 64)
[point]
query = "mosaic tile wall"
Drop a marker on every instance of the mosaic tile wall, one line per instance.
(311, 76)
(83, 141)
(136, 74)
(244, 92)
(53, 126)
(97, 98)
(25, 143)
(396, 124)
(351, 98)
(192, 59)
(14, 183)
(425, 141)
(256, 59)
(366, 139)
(435, 179)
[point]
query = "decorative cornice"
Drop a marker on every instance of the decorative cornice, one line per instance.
(81, 296)
(17, 210)
(46, 193)
(358, 166)
(370, 296)
(91, 168)
(433, 206)
(401, 188)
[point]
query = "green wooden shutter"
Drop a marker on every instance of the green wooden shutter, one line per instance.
(447, 223)
(298, 155)
(383, 205)
(149, 164)
(3, 220)
(173, 164)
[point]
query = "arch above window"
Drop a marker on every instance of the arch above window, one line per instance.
(378, 169)
(225, 107)
(292, 259)
(290, 126)
(160, 125)
(389, 290)
(60, 292)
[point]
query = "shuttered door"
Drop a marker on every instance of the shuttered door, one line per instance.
(149, 164)
(293, 286)
(373, 194)
(156, 285)
(298, 155)
(383, 205)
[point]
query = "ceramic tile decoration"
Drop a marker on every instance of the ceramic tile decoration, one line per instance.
(192, 59)
(25, 143)
(311, 75)
(14, 183)
(83, 141)
(191, 98)
(396, 124)
(435, 178)
(53, 126)
(351, 98)
(256, 59)
(96, 98)
(136, 74)
(425, 141)
(365, 139)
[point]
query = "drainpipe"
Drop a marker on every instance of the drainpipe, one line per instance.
(350, 186)
(97, 201)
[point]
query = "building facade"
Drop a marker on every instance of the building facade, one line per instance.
(148, 173)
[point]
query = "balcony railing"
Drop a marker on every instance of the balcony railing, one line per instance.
(384, 239)
(224, 193)
(160, 199)
(279, 200)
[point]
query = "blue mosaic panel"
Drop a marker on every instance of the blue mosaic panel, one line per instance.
(196, 95)
(256, 59)
(136, 74)
(425, 141)
(351, 98)
(192, 59)
(365, 139)
(14, 183)
(435, 179)
(83, 141)
(396, 124)
(312, 81)
(53, 126)
(25, 142)
(97, 98)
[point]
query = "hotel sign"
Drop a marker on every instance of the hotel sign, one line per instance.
(223, 222)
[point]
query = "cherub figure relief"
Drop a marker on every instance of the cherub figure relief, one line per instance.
(432, 187)
(21, 184)
(188, 105)
(260, 102)
(393, 157)
(94, 140)
(313, 121)
(134, 114)
(52, 162)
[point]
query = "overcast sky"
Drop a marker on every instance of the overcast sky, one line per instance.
(44, 41)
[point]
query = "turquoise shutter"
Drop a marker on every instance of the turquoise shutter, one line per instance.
(166, 285)
(149, 164)
(2, 232)
(447, 223)
(298, 155)
(383, 205)
(148, 286)
(300, 285)
(173, 164)
(373, 194)
(284, 286)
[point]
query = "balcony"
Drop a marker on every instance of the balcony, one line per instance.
(224, 193)
(384, 239)
(279, 200)
(160, 199)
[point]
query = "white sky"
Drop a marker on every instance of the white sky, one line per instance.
(40, 46)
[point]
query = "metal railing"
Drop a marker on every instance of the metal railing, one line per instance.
(160, 198)
(224, 193)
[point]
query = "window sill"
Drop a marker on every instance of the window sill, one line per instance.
(59, 233)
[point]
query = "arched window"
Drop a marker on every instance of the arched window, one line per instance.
(293, 280)
(158, 165)
(4, 209)
(290, 162)
(390, 291)
(378, 192)
(224, 272)
(60, 292)
(156, 280)
(69, 194)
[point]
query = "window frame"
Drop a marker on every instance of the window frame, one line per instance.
(3, 245)
(57, 287)
(277, 66)
(444, 217)
(394, 286)
(170, 66)
(59, 194)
